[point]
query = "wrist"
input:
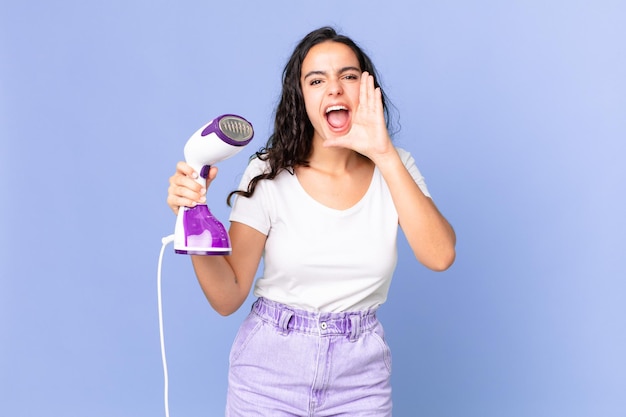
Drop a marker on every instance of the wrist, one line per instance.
(388, 157)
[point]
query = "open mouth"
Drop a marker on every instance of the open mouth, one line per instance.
(337, 116)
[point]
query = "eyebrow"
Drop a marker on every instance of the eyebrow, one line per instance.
(341, 71)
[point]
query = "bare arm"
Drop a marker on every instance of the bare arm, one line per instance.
(429, 234)
(226, 280)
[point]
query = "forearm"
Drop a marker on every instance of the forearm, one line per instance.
(226, 280)
(429, 234)
(219, 283)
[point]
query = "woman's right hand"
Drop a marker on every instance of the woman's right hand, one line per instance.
(184, 190)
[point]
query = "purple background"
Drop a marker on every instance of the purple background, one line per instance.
(514, 111)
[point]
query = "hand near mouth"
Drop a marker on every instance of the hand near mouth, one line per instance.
(368, 134)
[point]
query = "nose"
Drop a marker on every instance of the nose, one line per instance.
(335, 88)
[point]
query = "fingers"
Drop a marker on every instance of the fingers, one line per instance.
(370, 97)
(184, 189)
(184, 168)
(371, 94)
(211, 176)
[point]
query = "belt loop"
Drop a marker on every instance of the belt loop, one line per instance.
(283, 321)
(355, 327)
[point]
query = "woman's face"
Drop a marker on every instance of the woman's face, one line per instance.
(330, 82)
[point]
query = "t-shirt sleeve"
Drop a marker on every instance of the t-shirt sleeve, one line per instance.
(409, 163)
(252, 211)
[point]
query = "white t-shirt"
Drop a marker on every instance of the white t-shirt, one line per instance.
(318, 258)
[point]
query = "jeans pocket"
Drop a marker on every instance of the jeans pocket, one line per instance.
(246, 333)
(379, 336)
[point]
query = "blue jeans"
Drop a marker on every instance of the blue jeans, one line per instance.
(289, 362)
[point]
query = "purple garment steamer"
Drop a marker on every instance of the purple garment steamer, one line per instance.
(197, 231)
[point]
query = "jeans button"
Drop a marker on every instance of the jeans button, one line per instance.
(323, 325)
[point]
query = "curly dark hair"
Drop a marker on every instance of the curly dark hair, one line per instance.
(290, 144)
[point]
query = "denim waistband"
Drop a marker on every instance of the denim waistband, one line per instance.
(288, 319)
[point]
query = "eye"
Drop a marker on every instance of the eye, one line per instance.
(315, 82)
(351, 77)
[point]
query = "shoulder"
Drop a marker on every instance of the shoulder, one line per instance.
(409, 162)
(403, 152)
(257, 166)
(259, 162)
(405, 156)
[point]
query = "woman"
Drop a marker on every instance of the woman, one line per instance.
(321, 203)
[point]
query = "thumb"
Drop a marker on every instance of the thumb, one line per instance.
(210, 176)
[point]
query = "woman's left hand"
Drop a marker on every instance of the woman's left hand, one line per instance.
(368, 134)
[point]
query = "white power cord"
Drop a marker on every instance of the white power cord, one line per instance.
(164, 241)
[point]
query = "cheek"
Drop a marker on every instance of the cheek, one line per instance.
(313, 116)
(355, 92)
(312, 107)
